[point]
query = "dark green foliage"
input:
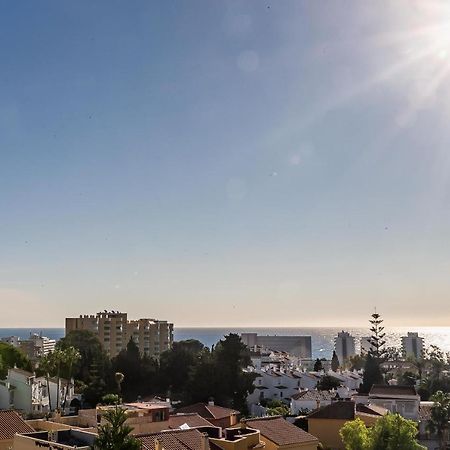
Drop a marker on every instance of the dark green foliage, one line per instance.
(328, 382)
(175, 365)
(440, 416)
(318, 365)
(111, 399)
(408, 378)
(115, 434)
(140, 372)
(357, 362)
(10, 357)
(377, 340)
(91, 354)
(219, 375)
(334, 362)
(94, 366)
(372, 374)
(391, 432)
(277, 408)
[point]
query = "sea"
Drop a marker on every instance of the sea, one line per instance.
(322, 338)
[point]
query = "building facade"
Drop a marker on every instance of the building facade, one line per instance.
(344, 346)
(412, 345)
(295, 345)
(114, 331)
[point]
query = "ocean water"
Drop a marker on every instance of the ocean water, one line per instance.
(322, 338)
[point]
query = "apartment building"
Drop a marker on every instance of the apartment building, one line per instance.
(344, 346)
(114, 330)
(412, 345)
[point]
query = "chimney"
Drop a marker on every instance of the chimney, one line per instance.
(205, 442)
(211, 402)
(158, 445)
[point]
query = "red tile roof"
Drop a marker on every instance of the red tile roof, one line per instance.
(280, 431)
(191, 419)
(172, 440)
(208, 411)
(385, 389)
(11, 423)
(344, 410)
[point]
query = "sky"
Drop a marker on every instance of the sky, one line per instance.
(253, 163)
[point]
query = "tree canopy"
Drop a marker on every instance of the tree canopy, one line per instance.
(391, 432)
(11, 357)
(115, 433)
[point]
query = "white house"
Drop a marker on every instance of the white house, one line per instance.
(23, 391)
(310, 400)
(403, 400)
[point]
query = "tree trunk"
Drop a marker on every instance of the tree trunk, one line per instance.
(48, 392)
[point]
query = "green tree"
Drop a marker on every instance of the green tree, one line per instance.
(377, 340)
(372, 374)
(230, 357)
(391, 432)
(318, 366)
(335, 362)
(355, 435)
(220, 374)
(440, 416)
(356, 362)
(115, 433)
(175, 365)
(47, 368)
(277, 408)
(140, 372)
(111, 399)
(13, 357)
(71, 357)
(328, 382)
(91, 354)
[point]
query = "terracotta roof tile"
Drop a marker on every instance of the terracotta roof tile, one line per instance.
(191, 419)
(11, 423)
(280, 431)
(344, 410)
(382, 389)
(172, 440)
(208, 411)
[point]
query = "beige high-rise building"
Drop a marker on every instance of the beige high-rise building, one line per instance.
(114, 331)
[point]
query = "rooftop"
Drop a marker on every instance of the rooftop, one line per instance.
(344, 410)
(208, 411)
(172, 440)
(314, 395)
(11, 423)
(280, 431)
(385, 389)
(192, 420)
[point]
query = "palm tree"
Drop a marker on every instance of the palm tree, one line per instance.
(71, 357)
(440, 415)
(46, 364)
(119, 377)
(115, 433)
(59, 358)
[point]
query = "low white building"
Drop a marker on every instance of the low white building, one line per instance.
(23, 391)
(309, 400)
(403, 400)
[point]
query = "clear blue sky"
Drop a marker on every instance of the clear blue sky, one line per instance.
(225, 163)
